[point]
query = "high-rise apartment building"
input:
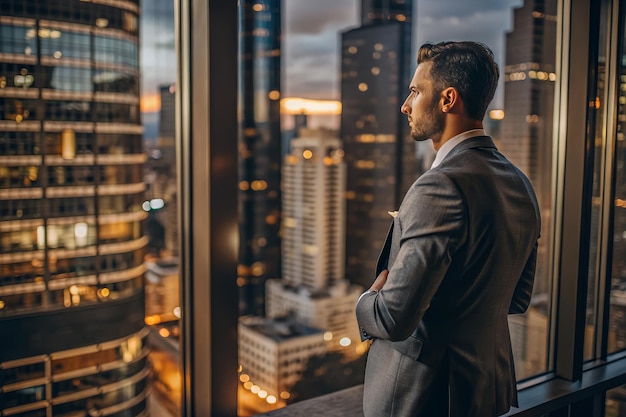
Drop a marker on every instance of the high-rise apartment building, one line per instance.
(71, 222)
(259, 150)
(313, 289)
(380, 153)
(314, 211)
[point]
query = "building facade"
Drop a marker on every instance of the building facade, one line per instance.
(380, 153)
(71, 222)
(273, 354)
(313, 289)
(259, 150)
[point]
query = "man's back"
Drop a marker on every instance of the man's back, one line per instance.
(462, 252)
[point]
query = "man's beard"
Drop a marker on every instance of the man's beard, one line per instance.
(429, 126)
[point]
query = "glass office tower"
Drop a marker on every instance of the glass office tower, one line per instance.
(380, 153)
(259, 150)
(71, 218)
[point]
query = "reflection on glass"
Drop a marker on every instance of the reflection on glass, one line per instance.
(597, 116)
(524, 135)
(158, 75)
(617, 312)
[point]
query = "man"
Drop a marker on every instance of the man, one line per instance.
(459, 257)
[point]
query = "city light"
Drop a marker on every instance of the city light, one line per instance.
(157, 203)
(345, 341)
(294, 105)
(496, 114)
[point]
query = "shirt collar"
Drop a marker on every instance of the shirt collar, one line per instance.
(451, 144)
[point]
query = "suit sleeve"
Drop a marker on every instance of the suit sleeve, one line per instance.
(432, 223)
(524, 288)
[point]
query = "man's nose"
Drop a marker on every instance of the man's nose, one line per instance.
(405, 108)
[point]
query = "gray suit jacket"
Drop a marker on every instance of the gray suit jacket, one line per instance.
(461, 256)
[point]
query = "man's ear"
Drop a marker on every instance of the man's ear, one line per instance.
(449, 99)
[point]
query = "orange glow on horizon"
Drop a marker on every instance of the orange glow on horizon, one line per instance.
(296, 105)
(150, 103)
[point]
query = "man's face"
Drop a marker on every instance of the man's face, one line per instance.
(422, 107)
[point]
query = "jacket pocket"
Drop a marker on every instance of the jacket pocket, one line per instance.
(411, 347)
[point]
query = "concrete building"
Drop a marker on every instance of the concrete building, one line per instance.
(273, 354)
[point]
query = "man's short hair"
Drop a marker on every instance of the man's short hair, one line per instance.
(467, 66)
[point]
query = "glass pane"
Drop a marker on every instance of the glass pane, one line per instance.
(525, 135)
(87, 219)
(617, 312)
(158, 92)
(597, 118)
(310, 237)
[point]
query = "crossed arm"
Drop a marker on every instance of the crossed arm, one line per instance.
(432, 221)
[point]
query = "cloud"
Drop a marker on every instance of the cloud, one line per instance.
(311, 40)
(461, 9)
(316, 17)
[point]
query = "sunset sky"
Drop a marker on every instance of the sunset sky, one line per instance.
(311, 39)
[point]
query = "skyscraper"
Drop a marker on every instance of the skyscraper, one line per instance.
(380, 154)
(259, 150)
(71, 222)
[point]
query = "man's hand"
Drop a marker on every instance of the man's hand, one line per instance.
(380, 281)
